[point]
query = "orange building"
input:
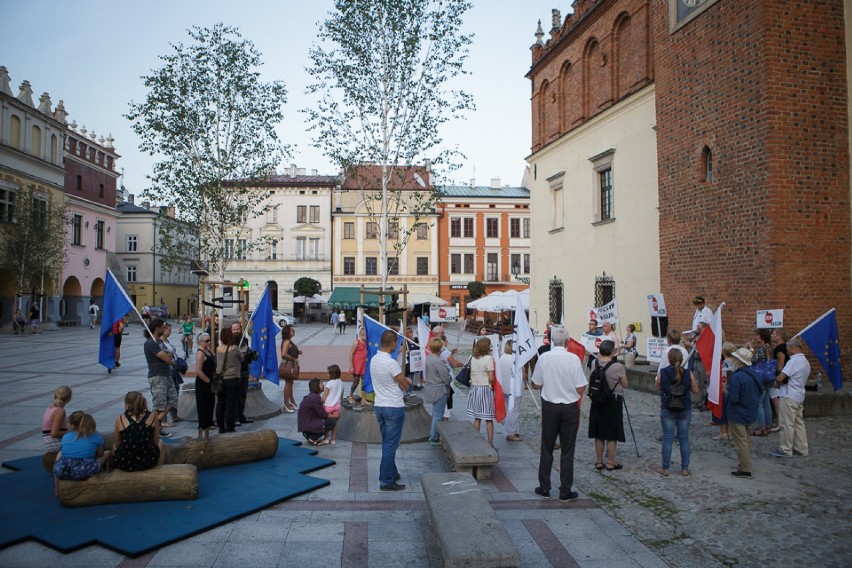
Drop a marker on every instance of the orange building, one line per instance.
(483, 235)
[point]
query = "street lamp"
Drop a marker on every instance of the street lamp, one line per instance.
(516, 270)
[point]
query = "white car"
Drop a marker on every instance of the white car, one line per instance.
(283, 319)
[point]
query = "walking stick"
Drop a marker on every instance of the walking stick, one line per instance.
(629, 423)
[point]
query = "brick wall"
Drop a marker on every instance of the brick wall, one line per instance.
(91, 179)
(762, 84)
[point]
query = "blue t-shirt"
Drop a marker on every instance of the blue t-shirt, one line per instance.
(667, 377)
(81, 447)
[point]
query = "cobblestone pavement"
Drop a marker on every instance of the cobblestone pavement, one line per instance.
(793, 511)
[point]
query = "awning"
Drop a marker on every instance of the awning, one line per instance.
(350, 297)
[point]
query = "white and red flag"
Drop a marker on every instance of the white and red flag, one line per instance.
(709, 346)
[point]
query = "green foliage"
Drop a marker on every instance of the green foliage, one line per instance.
(382, 77)
(32, 247)
(212, 120)
(476, 289)
(305, 286)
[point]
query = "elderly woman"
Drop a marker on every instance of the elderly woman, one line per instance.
(229, 361)
(606, 423)
(437, 385)
(205, 369)
(628, 348)
(480, 399)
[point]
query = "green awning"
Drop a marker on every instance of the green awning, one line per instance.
(350, 297)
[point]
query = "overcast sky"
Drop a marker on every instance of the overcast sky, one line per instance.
(91, 54)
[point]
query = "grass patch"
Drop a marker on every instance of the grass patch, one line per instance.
(602, 499)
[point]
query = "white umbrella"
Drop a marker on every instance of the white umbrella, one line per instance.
(315, 299)
(415, 298)
(484, 303)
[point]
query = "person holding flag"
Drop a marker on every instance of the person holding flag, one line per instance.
(116, 305)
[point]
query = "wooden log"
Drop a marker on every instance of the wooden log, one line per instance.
(224, 449)
(160, 483)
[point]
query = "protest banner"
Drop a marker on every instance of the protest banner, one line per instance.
(608, 312)
(656, 305)
(443, 314)
(654, 348)
(768, 319)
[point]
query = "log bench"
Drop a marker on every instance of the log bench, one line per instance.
(467, 449)
(466, 527)
(160, 483)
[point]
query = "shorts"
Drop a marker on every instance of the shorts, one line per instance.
(76, 469)
(50, 443)
(117, 340)
(163, 393)
(333, 409)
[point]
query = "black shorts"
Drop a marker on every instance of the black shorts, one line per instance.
(117, 339)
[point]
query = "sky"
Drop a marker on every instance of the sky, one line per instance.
(92, 53)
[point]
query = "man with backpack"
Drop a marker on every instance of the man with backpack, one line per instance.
(606, 389)
(743, 392)
(93, 314)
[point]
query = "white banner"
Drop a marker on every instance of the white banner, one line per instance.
(656, 305)
(770, 319)
(592, 343)
(608, 312)
(443, 313)
(654, 348)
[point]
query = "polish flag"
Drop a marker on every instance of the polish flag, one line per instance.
(709, 346)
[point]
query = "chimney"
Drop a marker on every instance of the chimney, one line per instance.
(300, 171)
(495, 183)
(131, 199)
(472, 182)
(292, 171)
(314, 172)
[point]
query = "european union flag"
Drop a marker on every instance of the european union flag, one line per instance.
(823, 339)
(263, 341)
(116, 306)
(374, 340)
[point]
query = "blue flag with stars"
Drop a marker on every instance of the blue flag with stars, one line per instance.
(263, 341)
(823, 339)
(374, 340)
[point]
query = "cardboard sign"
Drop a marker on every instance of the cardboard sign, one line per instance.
(656, 305)
(415, 360)
(443, 313)
(608, 313)
(768, 319)
(655, 347)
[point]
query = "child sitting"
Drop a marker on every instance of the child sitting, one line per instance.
(332, 395)
(313, 420)
(54, 422)
(136, 442)
(82, 452)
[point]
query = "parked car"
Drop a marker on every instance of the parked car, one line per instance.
(283, 319)
(161, 312)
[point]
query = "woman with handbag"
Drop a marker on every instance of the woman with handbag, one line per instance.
(289, 367)
(480, 399)
(229, 361)
(205, 401)
(437, 379)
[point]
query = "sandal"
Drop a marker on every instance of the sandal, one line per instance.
(599, 466)
(167, 425)
(721, 437)
(613, 466)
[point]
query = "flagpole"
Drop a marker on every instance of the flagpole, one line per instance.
(819, 319)
(129, 301)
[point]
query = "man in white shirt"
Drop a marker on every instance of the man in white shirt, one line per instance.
(703, 314)
(389, 386)
(93, 314)
(791, 382)
(673, 340)
(559, 375)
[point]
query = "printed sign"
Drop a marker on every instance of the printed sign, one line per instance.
(608, 313)
(656, 305)
(655, 347)
(592, 343)
(770, 319)
(415, 360)
(443, 313)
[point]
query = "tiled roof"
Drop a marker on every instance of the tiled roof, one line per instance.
(486, 192)
(301, 180)
(369, 177)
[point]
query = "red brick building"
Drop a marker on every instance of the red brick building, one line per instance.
(752, 143)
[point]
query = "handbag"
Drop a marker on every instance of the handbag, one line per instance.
(765, 369)
(288, 370)
(218, 381)
(463, 377)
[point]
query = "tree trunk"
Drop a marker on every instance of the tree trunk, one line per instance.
(161, 483)
(225, 450)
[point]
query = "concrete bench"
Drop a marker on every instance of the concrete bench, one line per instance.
(467, 529)
(467, 449)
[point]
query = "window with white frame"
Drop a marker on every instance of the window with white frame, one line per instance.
(242, 248)
(492, 227)
(526, 264)
(604, 196)
(301, 248)
(272, 250)
(40, 211)
(315, 213)
(372, 230)
(272, 214)
(229, 248)
(301, 213)
(455, 264)
(557, 201)
(349, 265)
(132, 243)
(348, 230)
(7, 204)
(468, 227)
(455, 227)
(526, 228)
(422, 231)
(492, 267)
(468, 263)
(131, 273)
(314, 248)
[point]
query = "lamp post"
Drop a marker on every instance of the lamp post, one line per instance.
(516, 270)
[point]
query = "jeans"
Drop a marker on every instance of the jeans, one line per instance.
(228, 405)
(438, 408)
(391, 420)
(562, 421)
(764, 410)
(671, 421)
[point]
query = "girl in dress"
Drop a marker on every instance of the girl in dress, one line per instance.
(136, 442)
(332, 396)
(54, 422)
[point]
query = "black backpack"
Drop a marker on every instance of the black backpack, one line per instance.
(677, 397)
(599, 390)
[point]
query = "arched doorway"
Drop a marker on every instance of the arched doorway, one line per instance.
(273, 293)
(72, 300)
(97, 290)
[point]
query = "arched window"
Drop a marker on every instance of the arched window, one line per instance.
(15, 132)
(707, 164)
(53, 148)
(35, 142)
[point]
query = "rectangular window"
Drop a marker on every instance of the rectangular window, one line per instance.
(348, 230)
(132, 243)
(526, 232)
(393, 229)
(7, 206)
(422, 231)
(272, 215)
(131, 273)
(229, 248)
(349, 265)
(491, 267)
(313, 249)
(315, 213)
(241, 249)
(492, 228)
(77, 229)
(526, 264)
(422, 266)
(514, 260)
(301, 248)
(606, 194)
(100, 230)
(371, 267)
(101, 190)
(301, 213)
(468, 227)
(79, 183)
(455, 264)
(455, 227)
(515, 228)
(468, 263)
(39, 212)
(372, 230)
(393, 266)
(272, 251)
